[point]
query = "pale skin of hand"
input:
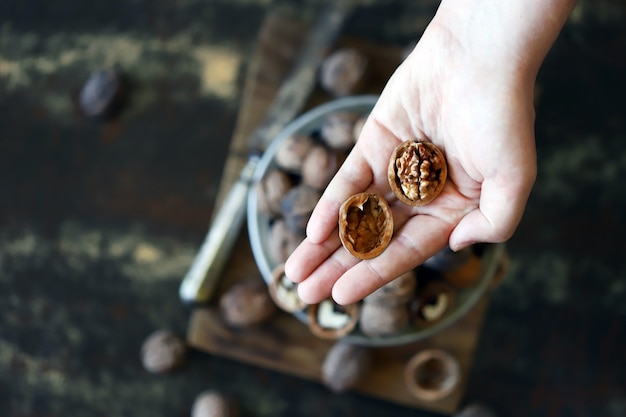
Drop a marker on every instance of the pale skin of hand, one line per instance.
(467, 87)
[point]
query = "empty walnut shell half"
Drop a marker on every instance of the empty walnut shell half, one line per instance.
(329, 320)
(433, 301)
(285, 292)
(365, 225)
(432, 374)
(417, 172)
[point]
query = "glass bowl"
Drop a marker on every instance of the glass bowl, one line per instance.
(259, 231)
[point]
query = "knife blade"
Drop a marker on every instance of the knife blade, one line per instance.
(200, 282)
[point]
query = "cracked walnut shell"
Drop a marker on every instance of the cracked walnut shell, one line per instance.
(417, 172)
(365, 225)
(329, 320)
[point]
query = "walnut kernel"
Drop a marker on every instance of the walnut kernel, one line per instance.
(417, 172)
(365, 225)
(329, 320)
(433, 302)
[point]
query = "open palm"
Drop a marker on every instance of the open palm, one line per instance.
(480, 116)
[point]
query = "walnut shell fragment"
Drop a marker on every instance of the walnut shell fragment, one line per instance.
(433, 302)
(285, 292)
(432, 374)
(329, 320)
(417, 172)
(365, 225)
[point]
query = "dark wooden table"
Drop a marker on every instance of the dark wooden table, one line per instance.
(99, 221)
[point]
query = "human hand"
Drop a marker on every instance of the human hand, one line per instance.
(479, 111)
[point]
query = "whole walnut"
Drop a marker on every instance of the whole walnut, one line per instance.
(283, 241)
(344, 72)
(400, 290)
(211, 403)
(344, 365)
(380, 320)
(476, 410)
(163, 351)
(271, 189)
(297, 206)
(338, 129)
(319, 167)
(104, 93)
(292, 151)
(246, 303)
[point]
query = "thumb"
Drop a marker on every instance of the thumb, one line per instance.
(499, 212)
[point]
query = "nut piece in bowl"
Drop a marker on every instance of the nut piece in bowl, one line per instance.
(329, 320)
(284, 292)
(271, 189)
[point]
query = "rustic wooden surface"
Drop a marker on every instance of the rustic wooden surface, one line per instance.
(285, 344)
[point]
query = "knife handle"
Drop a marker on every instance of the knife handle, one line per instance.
(205, 272)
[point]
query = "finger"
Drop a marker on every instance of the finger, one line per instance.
(364, 169)
(420, 238)
(319, 284)
(500, 210)
(354, 176)
(308, 256)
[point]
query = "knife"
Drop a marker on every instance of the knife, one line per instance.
(200, 282)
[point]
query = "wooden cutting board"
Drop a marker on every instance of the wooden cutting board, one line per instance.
(284, 343)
